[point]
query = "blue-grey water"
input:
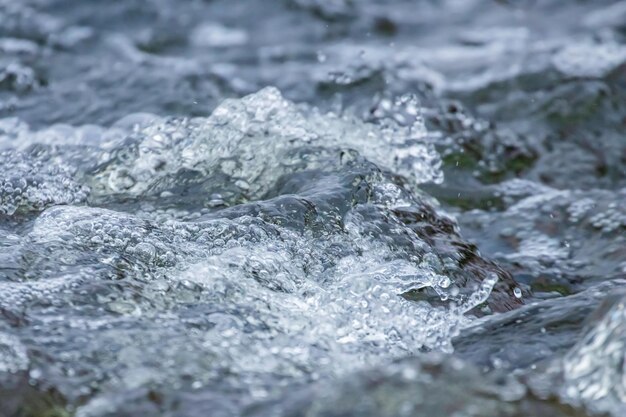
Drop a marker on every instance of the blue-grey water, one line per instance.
(215, 208)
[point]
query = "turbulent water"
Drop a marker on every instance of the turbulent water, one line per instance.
(312, 208)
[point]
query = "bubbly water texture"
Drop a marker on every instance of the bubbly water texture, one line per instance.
(304, 284)
(312, 208)
(595, 369)
(256, 140)
(29, 183)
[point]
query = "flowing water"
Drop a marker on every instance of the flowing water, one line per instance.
(312, 208)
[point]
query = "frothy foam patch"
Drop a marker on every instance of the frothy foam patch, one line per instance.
(31, 184)
(255, 304)
(595, 369)
(253, 141)
(13, 356)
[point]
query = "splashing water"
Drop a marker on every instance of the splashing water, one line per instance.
(281, 281)
(179, 239)
(595, 369)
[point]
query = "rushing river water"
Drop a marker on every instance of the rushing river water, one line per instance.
(312, 208)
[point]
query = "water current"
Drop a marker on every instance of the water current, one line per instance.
(329, 208)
